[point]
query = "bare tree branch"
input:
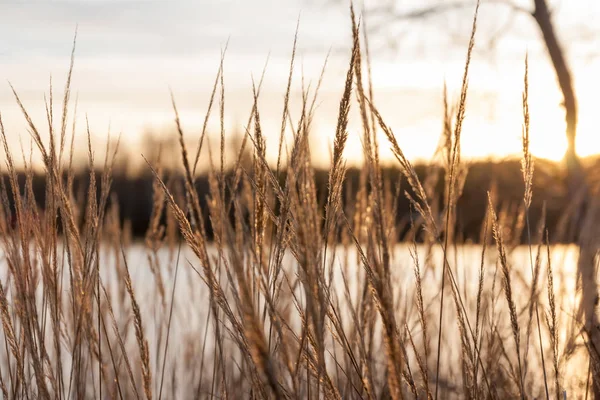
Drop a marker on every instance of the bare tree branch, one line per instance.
(440, 8)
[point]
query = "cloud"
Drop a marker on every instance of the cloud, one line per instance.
(142, 28)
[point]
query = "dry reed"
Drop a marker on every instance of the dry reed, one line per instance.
(290, 290)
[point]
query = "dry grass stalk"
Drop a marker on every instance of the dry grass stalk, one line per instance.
(507, 286)
(552, 321)
(139, 334)
(287, 313)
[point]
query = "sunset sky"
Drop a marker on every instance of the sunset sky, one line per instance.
(129, 53)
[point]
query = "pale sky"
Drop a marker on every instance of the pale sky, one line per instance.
(129, 53)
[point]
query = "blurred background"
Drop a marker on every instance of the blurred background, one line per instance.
(130, 54)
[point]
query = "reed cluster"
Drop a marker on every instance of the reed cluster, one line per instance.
(296, 295)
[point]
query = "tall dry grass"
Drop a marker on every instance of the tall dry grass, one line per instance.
(296, 296)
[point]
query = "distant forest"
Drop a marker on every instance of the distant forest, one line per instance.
(134, 195)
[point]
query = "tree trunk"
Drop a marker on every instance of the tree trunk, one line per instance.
(542, 17)
(576, 185)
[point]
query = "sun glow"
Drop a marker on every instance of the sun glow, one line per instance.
(409, 96)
